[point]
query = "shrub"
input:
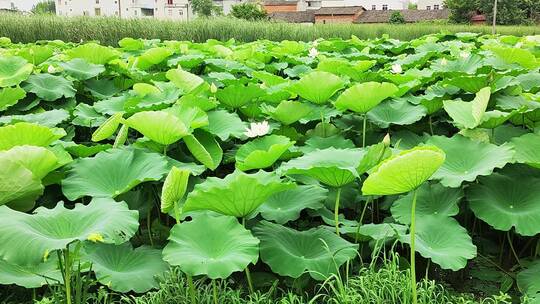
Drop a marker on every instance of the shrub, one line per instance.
(396, 18)
(248, 11)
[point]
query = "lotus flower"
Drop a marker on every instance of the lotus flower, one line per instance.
(257, 129)
(313, 53)
(397, 69)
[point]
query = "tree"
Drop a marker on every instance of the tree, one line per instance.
(205, 8)
(412, 6)
(508, 11)
(248, 11)
(44, 7)
(461, 11)
(396, 18)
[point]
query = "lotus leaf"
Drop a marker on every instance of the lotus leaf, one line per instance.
(37, 160)
(108, 128)
(433, 200)
(10, 97)
(508, 199)
(18, 185)
(363, 97)
(186, 81)
(262, 152)
(292, 253)
(469, 114)
(30, 276)
(211, 246)
(444, 241)
(204, 147)
(112, 172)
(286, 206)
(159, 126)
(396, 112)
(13, 70)
(482, 158)
(174, 188)
(124, 269)
(80, 69)
(30, 238)
(333, 167)
(238, 194)
(93, 53)
(527, 279)
(24, 133)
(288, 111)
(527, 149)
(49, 87)
(404, 172)
(237, 95)
(225, 125)
(318, 86)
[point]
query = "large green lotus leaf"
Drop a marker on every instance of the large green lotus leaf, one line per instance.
(238, 95)
(49, 87)
(152, 57)
(527, 149)
(495, 118)
(262, 152)
(50, 118)
(87, 116)
(292, 253)
(13, 70)
(468, 114)
(225, 125)
(30, 238)
(186, 81)
(215, 246)
(107, 128)
(24, 133)
(80, 69)
(112, 172)
(286, 206)
(482, 158)
(124, 269)
(10, 97)
(159, 126)
(93, 53)
(192, 117)
(432, 200)
(396, 112)
(288, 111)
(470, 84)
(528, 281)
(18, 185)
(508, 199)
(40, 161)
(520, 56)
(377, 232)
(205, 148)
(238, 194)
(404, 172)
(333, 167)
(30, 276)
(318, 86)
(444, 241)
(174, 188)
(363, 97)
(336, 141)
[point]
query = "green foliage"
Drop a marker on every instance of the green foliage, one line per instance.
(204, 8)
(248, 11)
(396, 18)
(44, 7)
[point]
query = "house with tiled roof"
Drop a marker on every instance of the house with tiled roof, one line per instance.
(410, 16)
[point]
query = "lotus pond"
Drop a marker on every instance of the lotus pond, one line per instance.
(289, 163)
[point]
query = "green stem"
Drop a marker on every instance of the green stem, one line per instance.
(149, 226)
(413, 252)
(214, 290)
(248, 274)
(427, 268)
(430, 125)
(361, 219)
(364, 125)
(512, 247)
(191, 289)
(336, 210)
(67, 269)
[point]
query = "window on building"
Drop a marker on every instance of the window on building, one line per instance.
(435, 6)
(385, 7)
(428, 7)
(59, 2)
(97, 11)
(170, 12)
(136, 13)
(181, 12)
(169, 2)
(97, 1)
(374, 7)
(85, 13)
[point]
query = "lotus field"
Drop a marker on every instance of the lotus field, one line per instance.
(270, 161)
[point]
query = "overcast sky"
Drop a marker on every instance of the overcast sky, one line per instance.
(25, 4)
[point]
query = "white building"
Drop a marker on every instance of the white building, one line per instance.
(430, 4)
(163, 9)
(6, 5)
(367, 4)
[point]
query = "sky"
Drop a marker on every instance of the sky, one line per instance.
(25, 5)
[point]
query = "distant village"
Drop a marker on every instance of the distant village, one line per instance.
(294, 11)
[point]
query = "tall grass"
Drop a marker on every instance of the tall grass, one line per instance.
(108, 30)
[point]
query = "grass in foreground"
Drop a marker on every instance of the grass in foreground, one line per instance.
(109, 30)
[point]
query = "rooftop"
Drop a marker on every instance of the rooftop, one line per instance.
(294, 17)
(409, 15)
(344, 10)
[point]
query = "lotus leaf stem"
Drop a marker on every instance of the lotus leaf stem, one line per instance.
(364, 126)
(336, 210)
(248, 274)
(413, 252)
(191, 289)
(214, 290)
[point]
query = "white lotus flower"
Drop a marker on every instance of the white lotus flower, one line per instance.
(464, 54)
(51, 69)
(519, 45)
(444, 61)
(313, 53)
(397, 69)
(315, 43)
(257, 129)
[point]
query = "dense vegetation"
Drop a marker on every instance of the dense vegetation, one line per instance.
(291, 166)
(109, 31)
(508, 11)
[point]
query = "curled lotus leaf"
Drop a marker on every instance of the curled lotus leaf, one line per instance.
(262, 152)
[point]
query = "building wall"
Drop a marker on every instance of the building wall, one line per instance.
(334, 19)
(173, 10)
(72, 8)
(424, 4)
(280, 8)
(368, 4)
(226, 5)
(5, 4)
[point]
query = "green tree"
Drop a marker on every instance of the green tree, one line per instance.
(248, 11)
(461, 11)
(396, 18)
(508, 11)
(412, 6)
(205, 8)
(44, 7)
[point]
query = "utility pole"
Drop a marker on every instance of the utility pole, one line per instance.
(494, 29)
